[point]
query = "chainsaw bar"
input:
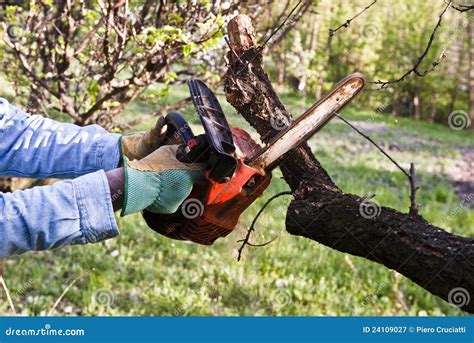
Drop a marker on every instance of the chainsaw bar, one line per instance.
(308, 123)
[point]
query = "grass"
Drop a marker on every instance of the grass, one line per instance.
(142, 273)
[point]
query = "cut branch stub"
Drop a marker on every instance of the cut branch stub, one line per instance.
(252, 94)
(241, 34)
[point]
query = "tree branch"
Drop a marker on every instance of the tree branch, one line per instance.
(436, 260)
(414, 69)
(410, 175)
(346, 24)
(246, 240)
(462, 8)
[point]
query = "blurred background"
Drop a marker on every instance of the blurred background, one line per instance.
(120, 64)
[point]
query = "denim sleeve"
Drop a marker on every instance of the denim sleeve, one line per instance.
(68, 212)
(38, 147)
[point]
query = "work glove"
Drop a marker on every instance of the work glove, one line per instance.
(158, 182)
(135, 146)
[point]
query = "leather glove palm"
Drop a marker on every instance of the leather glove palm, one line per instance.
(136, 146)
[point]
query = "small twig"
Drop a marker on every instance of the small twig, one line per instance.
(56, 303)
(332, 32)
(305, 8)
(260, 245)
(375, 144)
(232, 49)
(7, 292)
(245, 241)
(264, 43)
(413, 205)
(414, 69)
(268, 30)
(410, 175)
(281, 25)
(462, 8)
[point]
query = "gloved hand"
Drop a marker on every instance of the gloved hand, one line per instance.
(135, 146)
(158, 182)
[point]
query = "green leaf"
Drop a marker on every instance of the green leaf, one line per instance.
(186, 50)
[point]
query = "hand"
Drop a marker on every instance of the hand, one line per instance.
(158, 182)
(138, 145)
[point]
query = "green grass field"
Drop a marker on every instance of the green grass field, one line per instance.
(142, 273)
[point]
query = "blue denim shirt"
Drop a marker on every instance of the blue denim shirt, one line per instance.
(77, 211)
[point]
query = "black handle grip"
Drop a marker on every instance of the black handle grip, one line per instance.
(194, 148)
(178, 130)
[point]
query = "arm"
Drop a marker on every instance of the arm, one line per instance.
(81, 211)
(68, 212)
(38, 147)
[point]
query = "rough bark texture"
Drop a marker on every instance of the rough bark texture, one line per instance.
(436, 260)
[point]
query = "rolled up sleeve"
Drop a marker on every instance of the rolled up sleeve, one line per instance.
(38, 147)
(68, 212)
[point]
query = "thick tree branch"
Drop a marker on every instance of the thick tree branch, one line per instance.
(438, 261)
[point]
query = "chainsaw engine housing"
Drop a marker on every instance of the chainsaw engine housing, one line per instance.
(229, 185)
(213, 209)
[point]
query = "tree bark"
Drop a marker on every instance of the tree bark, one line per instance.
(470, 35)
(438, 261)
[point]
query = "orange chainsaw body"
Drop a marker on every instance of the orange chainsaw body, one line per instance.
(212, 210)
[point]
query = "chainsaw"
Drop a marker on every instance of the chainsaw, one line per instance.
(237, 170)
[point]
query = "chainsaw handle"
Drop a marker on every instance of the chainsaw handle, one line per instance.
(193, 148)
(178, 129)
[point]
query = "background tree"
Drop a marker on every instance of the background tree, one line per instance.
(470, 47)
(89, 60)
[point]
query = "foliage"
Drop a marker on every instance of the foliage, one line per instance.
(89, 59)
(383, 43)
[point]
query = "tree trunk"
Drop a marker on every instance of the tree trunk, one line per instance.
(433, 109)
(416, 106)
(438, 261)
(458, 50)
(394, 112)
(311, 42)
(471, 71)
